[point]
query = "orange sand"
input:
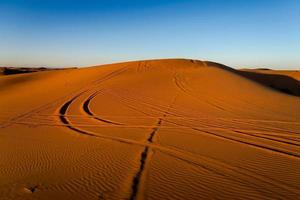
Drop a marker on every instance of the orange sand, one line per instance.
(164, 129)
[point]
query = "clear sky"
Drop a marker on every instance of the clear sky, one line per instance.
(239, 33)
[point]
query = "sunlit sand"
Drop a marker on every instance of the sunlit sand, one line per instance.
(160, 129)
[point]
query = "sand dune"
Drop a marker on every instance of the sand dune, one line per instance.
(282, 80)
(295, 74)
(160, 129)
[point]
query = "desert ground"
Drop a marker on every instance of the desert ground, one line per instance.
(158, 129)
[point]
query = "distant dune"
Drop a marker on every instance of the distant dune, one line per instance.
(291, 73)
(24, 70)
(282, 80)
(159, 129)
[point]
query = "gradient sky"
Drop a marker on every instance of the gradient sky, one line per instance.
(239, 33)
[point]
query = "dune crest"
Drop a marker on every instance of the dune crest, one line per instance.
(156, 129)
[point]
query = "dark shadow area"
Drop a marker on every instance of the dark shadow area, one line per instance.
(23, 70)
(278, 82)
(263, 69)
(282, 83)
(11, 71)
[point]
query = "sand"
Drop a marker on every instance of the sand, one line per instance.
(160, 129)
(287, 81)
(295, 74)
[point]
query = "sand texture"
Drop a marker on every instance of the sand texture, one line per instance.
(160, 129)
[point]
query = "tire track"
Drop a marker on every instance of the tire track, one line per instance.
(136, 179)
(182, 88)
(154, 131)
(144, 156)
(155, 107)
(110, 75)
(63, 110)
(260, 146)
(87, 110)
(65, 106)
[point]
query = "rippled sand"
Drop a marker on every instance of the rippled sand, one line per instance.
(161, 129)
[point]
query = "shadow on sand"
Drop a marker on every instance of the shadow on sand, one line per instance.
(282, 83)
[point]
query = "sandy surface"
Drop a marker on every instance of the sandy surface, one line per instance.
(291, 73)
(287, 81)
(168, 129)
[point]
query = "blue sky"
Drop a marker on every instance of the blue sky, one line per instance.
(56, 33)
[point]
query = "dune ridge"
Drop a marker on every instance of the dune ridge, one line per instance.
(153, 129)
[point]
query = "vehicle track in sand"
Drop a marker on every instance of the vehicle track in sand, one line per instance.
(144, 155)
(87, 110)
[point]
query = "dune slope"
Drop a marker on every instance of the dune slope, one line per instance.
(160, 129)
(282, 80)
